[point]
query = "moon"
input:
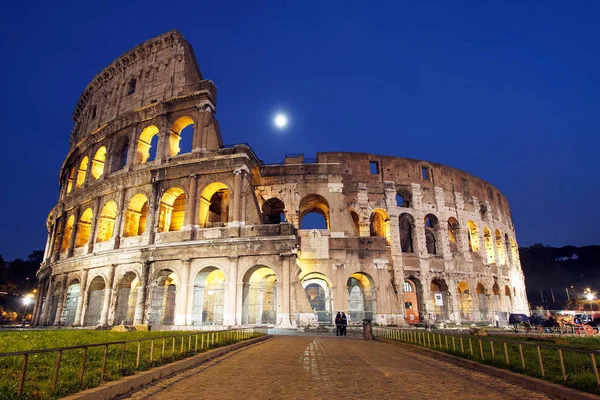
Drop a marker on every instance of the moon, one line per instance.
(280, 120)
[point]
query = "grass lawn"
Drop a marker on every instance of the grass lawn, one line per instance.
(41, 366)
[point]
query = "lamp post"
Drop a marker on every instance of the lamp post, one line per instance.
(26, 301)
(590, 296)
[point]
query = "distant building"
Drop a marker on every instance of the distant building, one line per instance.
(147, 230)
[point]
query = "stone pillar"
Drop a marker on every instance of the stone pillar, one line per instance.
(61, 299)
(82, 291)
(107, 293)
(61, 222)
(237, 194)
(285, 321)
(230, 317)
(73, 232)
(52, 240)
(119, 219)
(192, 206)
(152, 216)
(38, 304)
(131, 150)
(46, 312)
(94, 226)
(181, 316)
(199, 128)
(164, 133)
(48, 240)
(138, 316)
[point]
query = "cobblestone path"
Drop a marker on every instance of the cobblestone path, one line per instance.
(300, 367)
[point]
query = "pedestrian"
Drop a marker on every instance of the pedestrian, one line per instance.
(338, 324)
(344, 323)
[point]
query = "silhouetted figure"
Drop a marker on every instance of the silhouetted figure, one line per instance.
(338, 324)
(344, 323)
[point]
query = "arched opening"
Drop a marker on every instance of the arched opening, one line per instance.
(406, 226)
(135, 216)
(98, 162)
(440, 299)
(473, 236)
(70, 307)
(172, 210)
(81, 172)
(496, 300)
(273, 211)
(147, 145)
(411, 302)
(126, 299)
(431, 228)
(119, 155)
(515, 252)
(95, 301)
(453, 234)
(465, 302)
(507, 250)
(106, 223)
(67, 234)
(53, 305)
(209, 297)
(403, 199)
(500, 248)
(508, 296)
(259, 300)
(318, 291)
(84, 228)
(356, 221)
(361, 297)
(70, 179)
(379, 225)
(214, 205)
(483, 305)
(311, 207)
(181, 136)
(162, 298)
(489, 246)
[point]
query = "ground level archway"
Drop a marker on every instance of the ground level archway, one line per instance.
(209, 297)
(361, 297)
(318, 291)
(259, 304)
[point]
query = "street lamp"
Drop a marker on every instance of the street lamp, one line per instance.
(590, 296)
(27, 301)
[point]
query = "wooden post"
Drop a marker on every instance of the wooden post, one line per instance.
(23, 373)
(493, 352)
(471, 346)
(83, 360)
(56, 368)
(539, 351)
(521, 353)
(595, 367)
(163, 348)
(481, 348)
(139, 350)
(562, 364)
(506, 354)
(152, 350)
(104, 363)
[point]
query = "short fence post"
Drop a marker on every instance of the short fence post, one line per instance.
(506, 353)
(471, 346)
(428, 340)
(104, 363)
(562, 364)
(202, 341)
(595, 367)
(163, 348)
(539, 351)
(122, 357)
(139, 350)
(462, 348)
(190, 343)
(23, 373)
(152, 350)
(196, 346)
(181, 351)
(173, 348)
(83, 360)
(493, 352)
(453, 344)
(56, 368)
(521, 353)
(481, 348)
(446, 338)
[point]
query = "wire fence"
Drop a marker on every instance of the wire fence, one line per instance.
(56, 372)
(572, 367)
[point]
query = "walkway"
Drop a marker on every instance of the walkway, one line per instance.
(300, 367)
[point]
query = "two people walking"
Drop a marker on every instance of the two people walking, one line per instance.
(341, 321)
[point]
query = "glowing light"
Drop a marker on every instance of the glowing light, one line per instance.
(590, 296)
(280, 121)
(27, 301)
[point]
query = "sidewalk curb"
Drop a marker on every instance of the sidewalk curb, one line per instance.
(525, 380)
(110, 390)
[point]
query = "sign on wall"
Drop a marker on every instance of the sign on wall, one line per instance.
(439, 301)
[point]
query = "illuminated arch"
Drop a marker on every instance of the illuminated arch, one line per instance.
(126, 298)
(70, 306)
(84, 228)
(500, 248)
(515, 252)
(70, 179)
(106, 223)
(144, 144)
(214, 205)
(81, 172)
(465, 302)
(135, 216)
(473, 236)
(317, 288)
(273, 211)
(314, 203)
(379, 225)
(356, 221)
(67, 233)
(483, 303)
(98, 162)
(259, 304)
(453, 234)
(208, 297)
(361, 297)
(175, 134)
(95, 300)
(162, 298)
(172, 210)
(489, 246)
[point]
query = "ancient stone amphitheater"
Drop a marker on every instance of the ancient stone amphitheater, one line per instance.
(159, 223)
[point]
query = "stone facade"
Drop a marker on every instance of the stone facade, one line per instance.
(147, 231)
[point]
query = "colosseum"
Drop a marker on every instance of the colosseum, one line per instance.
(159, 223)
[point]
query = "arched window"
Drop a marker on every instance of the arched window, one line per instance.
(431, 229)
(70, 179)
(311, 207)
(273, 211)
(214, 205)
(172, 210)
(135, 216)
(453, 234)
(98, 162)
(84, 228)
(379, 225)
(403, 198)
(181, 137)
(406, 227)
(489, 246)
(119, 155)
(81, 172)
(131, 87)
(500, 248)
(68, 232)
(356, 222)
(515, 252)
(408, 288)
(147, 145)
(106, 223)
(473, 236)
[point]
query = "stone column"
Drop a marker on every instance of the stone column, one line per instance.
(107, 293)
(82, 291)
(52, 240)
(164, 133)
(94, 226)
(230, 317)
(199, 128)
(47, 248)
(61, 222)
(46, 312)
(119, 218)
(192, 206)
(73, 232)
(61, 299)
(138, 316)
(182, 317)
(237, 194)
(152, 216)
(285, 309)
(38, 304)
(131, 150)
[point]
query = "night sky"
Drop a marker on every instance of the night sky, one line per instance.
(509, 93)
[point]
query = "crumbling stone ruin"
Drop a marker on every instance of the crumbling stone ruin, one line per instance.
(159, 223)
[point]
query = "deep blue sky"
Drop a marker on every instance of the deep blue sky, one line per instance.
(508, 92)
